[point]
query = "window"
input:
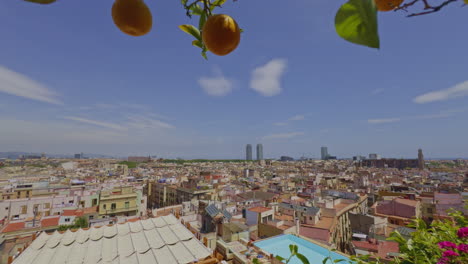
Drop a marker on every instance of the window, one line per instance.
(429, 210)
(67, 219)
(6, 208)
(47, 205)
(113, 206)
(127, 205)
(24, 209)
(91, 217)
(94, 202)
(310, 217)
(71, 201)
(103, 206)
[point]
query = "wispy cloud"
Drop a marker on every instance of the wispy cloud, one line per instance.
(96, 123)
(280, 124)
(383, 120)
(217, 85)
(142, 122)
(284, 135)
(266, 79)
(377, 91)
(17, 84)
(297, 118)
(459, 90)
(441, 114)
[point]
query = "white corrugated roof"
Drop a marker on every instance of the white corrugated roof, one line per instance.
(162, 240)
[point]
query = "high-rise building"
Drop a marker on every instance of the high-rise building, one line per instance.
(259, 152)
(324, 152)
(79, 156)
(420, 159)
(248, 152)
(374, 156)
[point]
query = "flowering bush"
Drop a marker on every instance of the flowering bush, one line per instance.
(444, 242)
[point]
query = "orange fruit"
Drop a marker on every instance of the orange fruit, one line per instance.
(132, 17)
(221, 34)
(387, 5)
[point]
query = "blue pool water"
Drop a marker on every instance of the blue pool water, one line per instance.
(280, 246)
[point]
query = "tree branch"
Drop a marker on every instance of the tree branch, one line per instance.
(432, 9)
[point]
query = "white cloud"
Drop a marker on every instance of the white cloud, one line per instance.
(458, 90)
(266, 79)
(20, 85)
(377, 91)
(142, 122)
(96, 123)
(280, 124)
(284, 135)
(441, 114)
(217, 85)
(383, 120)
(297, 118)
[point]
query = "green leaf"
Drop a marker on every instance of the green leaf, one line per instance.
(191, 30)
(303, 259)
(339, 260)
(217, 3)
(466, 2)
(293, 249)
(203, 53)
(324, 261)
(356, 22)
(202, 21)
(197, 43)
(43, 2)
(196, 10)
(280, 258)
(183, 2)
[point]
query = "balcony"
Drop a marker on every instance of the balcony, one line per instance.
(118, 210)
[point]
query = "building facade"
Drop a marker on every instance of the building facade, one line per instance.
(259, 152)
(324, 153)
(248, 152)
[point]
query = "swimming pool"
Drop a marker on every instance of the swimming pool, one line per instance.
(279, 245)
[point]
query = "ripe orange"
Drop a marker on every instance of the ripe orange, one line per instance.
(387, 5)
(221, 34)
(132, 17)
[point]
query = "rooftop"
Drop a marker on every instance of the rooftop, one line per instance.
(259, 209)
(156, 240)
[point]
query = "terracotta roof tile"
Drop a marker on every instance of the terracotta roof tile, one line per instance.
(52, 221)
(12, 227)
(259, 209)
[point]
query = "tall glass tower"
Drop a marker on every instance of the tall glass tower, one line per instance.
(324, 152)
(248, 152)
(259, 152)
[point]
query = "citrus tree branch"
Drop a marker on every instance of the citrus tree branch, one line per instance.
(430, 9)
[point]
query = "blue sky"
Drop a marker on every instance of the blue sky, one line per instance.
(70, 81)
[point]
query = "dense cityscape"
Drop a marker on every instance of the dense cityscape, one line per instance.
(233, 132)
(218, 211)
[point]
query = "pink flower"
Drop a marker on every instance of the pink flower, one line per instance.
(443, 260)
(450, 253)
(462, 232)
(447, 244)
(463, 248)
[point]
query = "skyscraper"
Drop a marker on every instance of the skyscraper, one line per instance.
(248, 152)
(420, 159)
(324, 152)
(259, 152)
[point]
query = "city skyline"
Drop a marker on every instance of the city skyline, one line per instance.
(103, 92)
